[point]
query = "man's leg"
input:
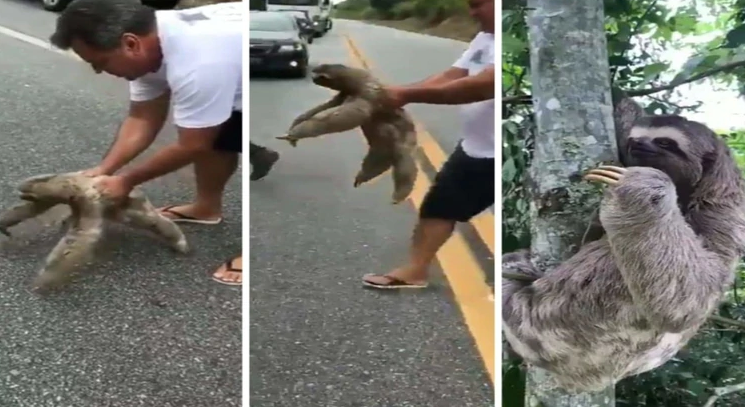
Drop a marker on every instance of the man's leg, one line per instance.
(212, 171)
(463, 188)
(262, 159)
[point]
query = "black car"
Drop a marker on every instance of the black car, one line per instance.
(304, 22)
(60, 5)
(276, 43)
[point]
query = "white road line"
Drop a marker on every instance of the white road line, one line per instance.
(35, 41)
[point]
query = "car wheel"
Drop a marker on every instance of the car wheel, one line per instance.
(301, 71)
(329, 25)
(55, 5)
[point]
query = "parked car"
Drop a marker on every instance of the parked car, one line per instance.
(304, 22)
(276, 44)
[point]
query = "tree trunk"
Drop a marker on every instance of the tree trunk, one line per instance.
(574, 122)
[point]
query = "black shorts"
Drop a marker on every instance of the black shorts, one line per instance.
(463, 188)
(230, 137)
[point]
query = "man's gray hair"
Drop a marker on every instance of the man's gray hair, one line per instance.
(100, 24)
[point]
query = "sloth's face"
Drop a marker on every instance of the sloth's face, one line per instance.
(44, 188)
(338, 77)
(668, 150)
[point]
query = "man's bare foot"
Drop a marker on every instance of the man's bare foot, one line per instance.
(230, 272)
(398, 278)
(190, 213)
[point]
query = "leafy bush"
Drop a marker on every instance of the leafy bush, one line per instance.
(370, 13)
(403, 10)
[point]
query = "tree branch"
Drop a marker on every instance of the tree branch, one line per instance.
(527, 99)
(722, 391)
(672, 85)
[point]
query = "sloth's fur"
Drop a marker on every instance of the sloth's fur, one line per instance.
(360, 102)
(673, 229)
(89, 210)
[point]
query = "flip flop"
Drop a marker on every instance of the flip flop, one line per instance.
(228, 267)
(392, 283)
(180, 217)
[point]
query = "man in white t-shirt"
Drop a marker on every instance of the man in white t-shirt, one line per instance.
(464, 186)
(190, 59)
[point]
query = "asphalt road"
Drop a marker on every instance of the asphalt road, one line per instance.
(318, 338)
(146, 327)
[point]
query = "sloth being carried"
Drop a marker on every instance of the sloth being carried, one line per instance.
(390, 133)
(674, 224)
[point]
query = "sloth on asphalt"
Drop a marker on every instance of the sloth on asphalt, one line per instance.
(89, 209)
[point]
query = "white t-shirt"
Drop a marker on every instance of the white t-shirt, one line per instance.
(202, 64)
(478, 117)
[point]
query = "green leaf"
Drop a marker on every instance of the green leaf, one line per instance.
(735, 38)
(651, 71)
(512, 45)
(508, 170)
(696, 387)
(513, 386)
(684, 24)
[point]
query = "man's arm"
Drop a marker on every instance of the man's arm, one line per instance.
(468, 89)
(138, 130)
(203, 101)
(448, 75)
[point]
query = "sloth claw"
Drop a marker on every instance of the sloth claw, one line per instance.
(606, 174)
(289, 139)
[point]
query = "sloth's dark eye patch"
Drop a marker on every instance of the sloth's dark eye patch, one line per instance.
(666, 143)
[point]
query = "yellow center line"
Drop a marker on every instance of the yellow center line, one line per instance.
(466, 278)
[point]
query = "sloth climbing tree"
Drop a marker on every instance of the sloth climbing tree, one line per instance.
(557, 68)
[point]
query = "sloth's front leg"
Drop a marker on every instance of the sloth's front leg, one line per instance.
(666, 268)
(337, 119)
(75, 250)
(22, 211)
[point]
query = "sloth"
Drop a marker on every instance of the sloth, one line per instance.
(89, 209)
(360, 102)
(673, 225)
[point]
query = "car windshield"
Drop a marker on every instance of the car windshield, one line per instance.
(269, 23)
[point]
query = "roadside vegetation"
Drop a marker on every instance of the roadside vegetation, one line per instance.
(442, 18)
(638, 34)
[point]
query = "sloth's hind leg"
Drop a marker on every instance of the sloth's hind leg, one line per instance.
(143, 215)
(334, 120)
(375, 163)
(404, 173)
(22, 211)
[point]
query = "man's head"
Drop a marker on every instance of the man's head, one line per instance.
(118, 37)
(483, 12)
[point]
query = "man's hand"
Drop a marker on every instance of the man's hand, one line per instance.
(395, 96)
(94, 172)
(114, 187)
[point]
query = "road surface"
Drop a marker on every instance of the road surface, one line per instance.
(318, 338)
(147, 327)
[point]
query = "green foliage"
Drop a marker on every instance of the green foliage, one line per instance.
(430, 11)
(384, 6)
(404, 10)
(637, 33)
